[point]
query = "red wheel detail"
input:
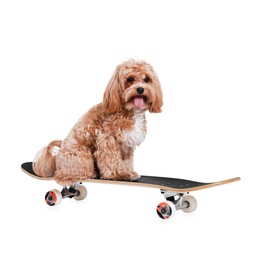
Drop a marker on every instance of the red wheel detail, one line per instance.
(51, 198)
(164, 210)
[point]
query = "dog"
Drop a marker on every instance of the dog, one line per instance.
(102, 142)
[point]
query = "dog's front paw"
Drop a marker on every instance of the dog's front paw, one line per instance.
(121, 176)
(134, 176)
(128, 176)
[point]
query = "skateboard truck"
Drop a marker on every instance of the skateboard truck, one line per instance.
(76, 191)
(174, 202)
(69, 192)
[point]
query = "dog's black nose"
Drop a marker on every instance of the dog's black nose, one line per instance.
(140, 90)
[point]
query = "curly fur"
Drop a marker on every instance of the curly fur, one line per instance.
(102, 142)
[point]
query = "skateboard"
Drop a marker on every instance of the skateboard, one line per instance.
(175, 191)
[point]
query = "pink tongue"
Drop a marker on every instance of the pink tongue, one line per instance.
(139, 102)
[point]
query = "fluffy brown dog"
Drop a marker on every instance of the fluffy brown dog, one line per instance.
(102, 143)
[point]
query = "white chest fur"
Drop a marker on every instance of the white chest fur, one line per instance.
(137, 134)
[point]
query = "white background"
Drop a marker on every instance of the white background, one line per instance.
(56, 58)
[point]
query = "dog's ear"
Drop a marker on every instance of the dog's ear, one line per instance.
(112, 96)
(158, 96)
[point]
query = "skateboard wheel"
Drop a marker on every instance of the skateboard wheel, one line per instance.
(82, 192)
(53, 197)
(191, 203)
(166, 210)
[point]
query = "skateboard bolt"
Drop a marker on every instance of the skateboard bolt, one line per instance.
(164, 210)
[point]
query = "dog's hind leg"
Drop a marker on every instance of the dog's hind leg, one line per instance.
(74, 165)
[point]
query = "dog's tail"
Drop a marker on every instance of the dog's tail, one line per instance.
(44, 164)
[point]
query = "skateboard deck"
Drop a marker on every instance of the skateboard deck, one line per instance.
(169, 184)
(175, 190)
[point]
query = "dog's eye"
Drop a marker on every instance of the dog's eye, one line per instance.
(146, 79)
(130, 79)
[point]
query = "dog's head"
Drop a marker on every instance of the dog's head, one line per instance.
(134, 85)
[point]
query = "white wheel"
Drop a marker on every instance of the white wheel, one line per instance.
(82, 192)
(191, 203)
(166, 210)
(53, 197)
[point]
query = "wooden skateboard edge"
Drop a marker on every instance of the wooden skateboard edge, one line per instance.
(37, 177)
(162, 187)
(133, 183)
